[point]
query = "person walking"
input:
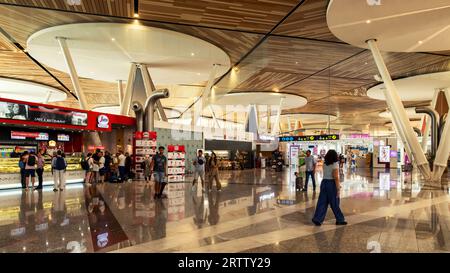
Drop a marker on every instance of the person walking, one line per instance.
(121, 163)
(213, 170)
(59, 166)
(95, 167)
(30, 169)
(159, 167)
(22, 169)
(146, 167)
(199, 169)
(329, 191)
(40, 169)
(310, 166)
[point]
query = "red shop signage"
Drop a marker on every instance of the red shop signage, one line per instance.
(43, 115)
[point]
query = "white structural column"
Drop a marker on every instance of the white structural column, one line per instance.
(276, 125)
(428, 122)
(207, 91)
(214, 116)
(47, 98)
(440, 161)
(72, 72)
(120, 92)
(150, 88)
(127, 97)
(399, 114)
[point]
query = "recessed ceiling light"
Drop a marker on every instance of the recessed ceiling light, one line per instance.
(296, 62)
(276, 90)
(235, 68)
(198, 74)
(420, 42)
(368, 21)
(365, 63)
(192, 54)
(113, 39)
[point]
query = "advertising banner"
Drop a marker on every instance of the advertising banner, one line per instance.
(20, 111)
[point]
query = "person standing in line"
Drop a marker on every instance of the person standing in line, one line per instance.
(121, 162)
(146, 167)
(199, 169)
(108, 161)
(96, 166)
(310, 165)
(59, 166)
(213, 170)
(22, 169)
(88, 167)
(329, 191)
(159, 167)
(30, 169)
(40, 169)
(101, 165)
(128, 163)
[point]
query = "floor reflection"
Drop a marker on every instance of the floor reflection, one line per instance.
(107, 217)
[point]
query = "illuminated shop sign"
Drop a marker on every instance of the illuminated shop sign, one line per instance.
(32, 135)
(20, 111)
(103, 121)
(63, 137)
(309, 138)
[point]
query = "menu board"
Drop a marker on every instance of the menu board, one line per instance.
(20, 111)
(32, 135)
(63, 137)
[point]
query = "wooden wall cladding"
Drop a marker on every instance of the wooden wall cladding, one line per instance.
(247, 15)
(309, 21)
(104, 7)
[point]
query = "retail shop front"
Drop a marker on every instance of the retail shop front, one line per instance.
(232, 154)
(295, 147)
(26, 126)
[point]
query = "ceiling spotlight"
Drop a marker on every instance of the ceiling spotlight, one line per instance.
(420, 42)
(276, 90)
(368, 21)
(192, 54)
(377, 78)
(236, 69)
(198, 74)
(113, 39)
(296, 62)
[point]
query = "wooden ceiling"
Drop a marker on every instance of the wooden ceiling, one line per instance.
(282, 45)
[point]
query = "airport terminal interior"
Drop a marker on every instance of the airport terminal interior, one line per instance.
(242, 126)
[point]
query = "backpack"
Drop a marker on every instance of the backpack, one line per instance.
(85, 164)
(60, 164)
(21, 164)
(31, 160)
(200, 161)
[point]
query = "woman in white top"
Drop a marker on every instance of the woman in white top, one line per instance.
(101, 165)
(329, 191)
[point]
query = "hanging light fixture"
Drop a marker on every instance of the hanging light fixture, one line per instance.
(136, 9)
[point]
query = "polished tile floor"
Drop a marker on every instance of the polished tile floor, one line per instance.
(257, 211)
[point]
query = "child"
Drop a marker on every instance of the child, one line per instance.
(298, 181)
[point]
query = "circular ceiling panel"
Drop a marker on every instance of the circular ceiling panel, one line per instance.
(288, 101)
(416, 88)
(29, 91)
(105, 51)
(397, 25)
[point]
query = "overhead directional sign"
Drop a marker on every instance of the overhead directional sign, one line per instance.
(308, 138)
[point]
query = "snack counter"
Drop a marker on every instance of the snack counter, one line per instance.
(10, 172)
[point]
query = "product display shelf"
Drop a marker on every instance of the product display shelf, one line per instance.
(176, 163)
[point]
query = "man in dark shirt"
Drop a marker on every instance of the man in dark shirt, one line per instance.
(159, 167)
